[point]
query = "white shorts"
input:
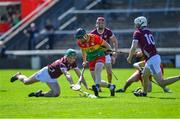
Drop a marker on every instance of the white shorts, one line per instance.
(44, 76)
(154, 64)
(108, 59)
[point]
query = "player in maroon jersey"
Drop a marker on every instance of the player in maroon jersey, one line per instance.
(50, 73)
(143, 38)
(136, 76)
(106, 34)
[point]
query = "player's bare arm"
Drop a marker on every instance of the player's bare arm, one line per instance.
(108, 47)
(78, 73)
(139, 65)
(132, 50)
(115, 44)
(68, 76)
(84, 58)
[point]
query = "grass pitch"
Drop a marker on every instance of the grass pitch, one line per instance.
(14, 102)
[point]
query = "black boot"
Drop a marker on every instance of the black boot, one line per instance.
(36, 94)
(14, 77)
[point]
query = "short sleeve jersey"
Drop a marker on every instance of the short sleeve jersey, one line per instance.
(106, 35)
(146, 42)
(55, 69)
(92, 47)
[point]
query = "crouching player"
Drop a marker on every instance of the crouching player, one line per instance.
(91, 44)
(50, 73)
(136, 76)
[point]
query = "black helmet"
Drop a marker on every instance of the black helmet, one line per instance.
(80, 32)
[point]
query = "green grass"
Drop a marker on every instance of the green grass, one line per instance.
(15, 103)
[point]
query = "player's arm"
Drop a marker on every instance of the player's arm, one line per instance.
(105, 44)
(115, 44)
(84, 57)
(67, 75)
(132, 50)
(78, 73)
(139, 65)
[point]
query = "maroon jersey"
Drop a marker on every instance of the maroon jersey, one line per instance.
(106, 35)
(146, 42)
(54, 69)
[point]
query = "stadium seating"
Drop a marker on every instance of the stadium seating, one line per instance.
(162, 20)
(68, 15)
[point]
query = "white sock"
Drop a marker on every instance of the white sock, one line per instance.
(98, 69)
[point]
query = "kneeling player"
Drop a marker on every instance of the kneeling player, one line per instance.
(50, 73)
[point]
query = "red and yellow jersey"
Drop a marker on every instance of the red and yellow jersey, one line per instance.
(92, 47)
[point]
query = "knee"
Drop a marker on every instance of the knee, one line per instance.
(27, 81)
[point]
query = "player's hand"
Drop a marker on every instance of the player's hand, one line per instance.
(138, 54)
(129, 59)
(71, 86)
(115, 54)
(109, 51)
(84, 63)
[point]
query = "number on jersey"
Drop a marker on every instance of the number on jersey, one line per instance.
(150, 39)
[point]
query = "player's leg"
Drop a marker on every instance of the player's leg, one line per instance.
(24, 79)
(133, 78)
(55, 90)
(145, 76)
(109, 72)
(108, 67)
(95, 87)
(44, 76)
(93, 75)
(152, 67)
(149, 85)
(164, 82)
(102, 84)
(155, 64)
(97, 72)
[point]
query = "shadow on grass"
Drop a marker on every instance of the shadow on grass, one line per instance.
(82, 96)
(171, 98)
(3, 90)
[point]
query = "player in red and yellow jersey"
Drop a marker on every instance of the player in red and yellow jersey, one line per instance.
(91, 44)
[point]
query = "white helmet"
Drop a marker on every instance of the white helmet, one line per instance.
(140, 21)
